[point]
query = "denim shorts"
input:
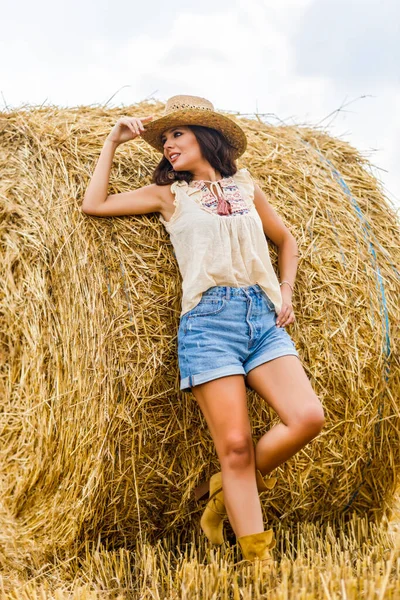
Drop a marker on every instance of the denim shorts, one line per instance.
(230, 331)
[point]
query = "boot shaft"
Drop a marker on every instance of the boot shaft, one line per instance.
(257, 545)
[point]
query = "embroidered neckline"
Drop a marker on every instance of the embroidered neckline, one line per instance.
(207, 201)
(200, 183)
(210, 199)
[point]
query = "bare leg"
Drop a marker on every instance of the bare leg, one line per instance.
(283, 383)
(223, 402)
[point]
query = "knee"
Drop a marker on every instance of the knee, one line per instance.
(239, 451)
(311, 420)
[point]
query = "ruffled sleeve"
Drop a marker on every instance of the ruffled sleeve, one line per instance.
(245, 183)
(176, 184)
(177, 203)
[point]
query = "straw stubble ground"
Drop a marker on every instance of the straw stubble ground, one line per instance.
(98, 443)
(312, 561)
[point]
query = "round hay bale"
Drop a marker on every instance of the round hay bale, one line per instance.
(98, 440)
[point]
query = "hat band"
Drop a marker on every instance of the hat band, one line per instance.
(175, 108)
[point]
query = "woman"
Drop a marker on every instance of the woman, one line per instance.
(234, 311)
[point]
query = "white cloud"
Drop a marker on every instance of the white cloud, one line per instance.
(244, 56)
(352, 41)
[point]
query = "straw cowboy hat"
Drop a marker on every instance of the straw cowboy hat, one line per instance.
(193, 110)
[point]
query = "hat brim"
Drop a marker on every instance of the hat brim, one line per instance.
(190, 116)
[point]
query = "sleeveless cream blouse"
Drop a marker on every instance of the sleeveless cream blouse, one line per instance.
(213, 249)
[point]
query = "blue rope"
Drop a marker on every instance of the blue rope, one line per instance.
(368, 233)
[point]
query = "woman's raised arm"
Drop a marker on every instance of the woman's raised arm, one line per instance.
(126, 129)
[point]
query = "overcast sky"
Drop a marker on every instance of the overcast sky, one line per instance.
(297, 60)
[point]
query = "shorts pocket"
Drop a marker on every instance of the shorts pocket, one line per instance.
(207, 307)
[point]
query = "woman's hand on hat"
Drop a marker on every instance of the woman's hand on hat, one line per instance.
(127, 128)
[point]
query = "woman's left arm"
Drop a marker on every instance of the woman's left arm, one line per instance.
(288, 259)
(288, 252)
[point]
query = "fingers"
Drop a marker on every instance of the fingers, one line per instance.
(129, 123)
(119, 133)
(283, 323)
(285, 317)
(135, 123)
(144, 119)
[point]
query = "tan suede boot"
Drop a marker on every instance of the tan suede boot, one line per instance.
(212, 520)
(215, 512)
(257, 546)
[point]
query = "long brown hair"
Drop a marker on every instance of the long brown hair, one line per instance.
(214, 147)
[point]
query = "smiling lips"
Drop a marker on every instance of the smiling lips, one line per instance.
(174, 156)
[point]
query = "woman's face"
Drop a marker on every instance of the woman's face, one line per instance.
(182, 141)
